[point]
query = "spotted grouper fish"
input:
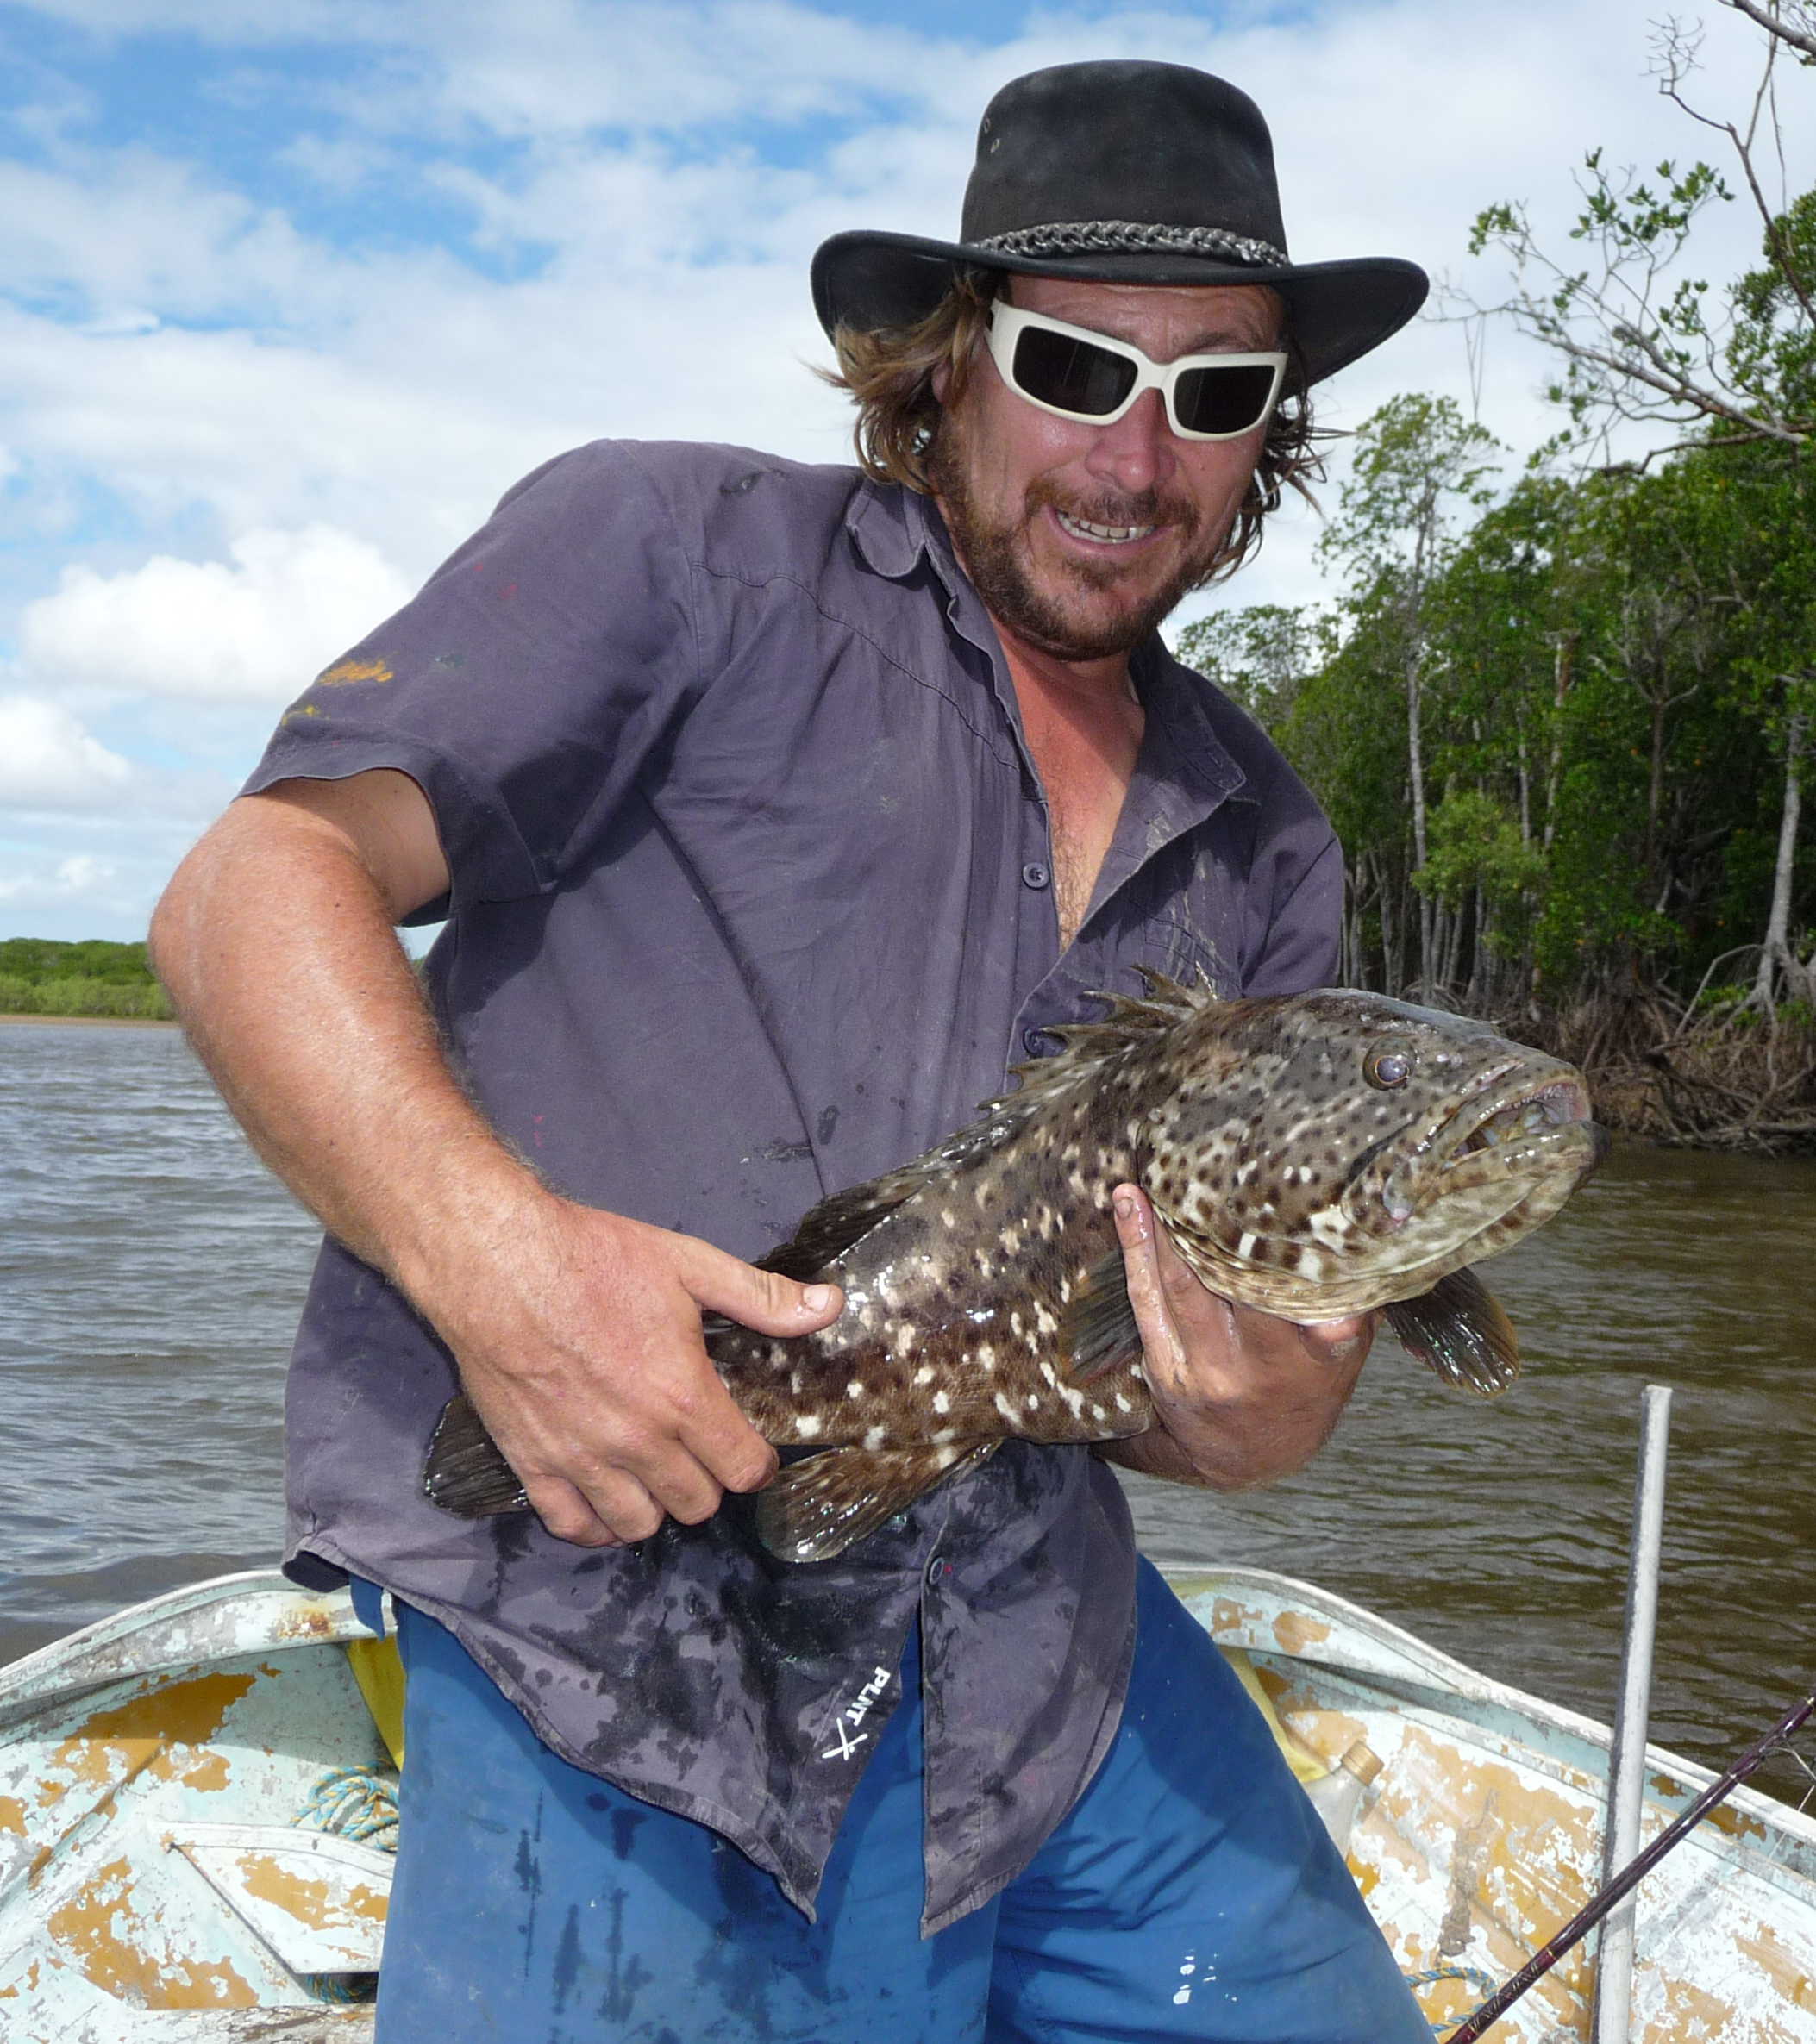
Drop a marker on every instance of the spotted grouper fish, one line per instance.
(1313, 1156)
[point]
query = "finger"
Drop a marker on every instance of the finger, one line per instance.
(1342, 1341)
(726, 1447)
(1162, 1346)
(565, 1513)
(755, 1298)
(623, 1504)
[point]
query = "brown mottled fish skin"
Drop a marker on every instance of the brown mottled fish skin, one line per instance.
(1314, 1156)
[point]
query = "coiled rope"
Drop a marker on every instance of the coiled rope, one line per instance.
(1484, 1983)
(359, 1803)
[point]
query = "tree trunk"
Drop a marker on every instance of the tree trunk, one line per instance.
(1774, 955)
(1554, 769)
(1416, 774)
(1391, 962)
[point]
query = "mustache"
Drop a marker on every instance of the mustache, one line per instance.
(1116, 507)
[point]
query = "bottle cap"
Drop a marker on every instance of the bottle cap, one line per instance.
(1362, 1762)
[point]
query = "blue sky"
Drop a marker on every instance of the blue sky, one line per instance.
(291, 290)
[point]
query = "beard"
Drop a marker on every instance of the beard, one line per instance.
(1064, 613)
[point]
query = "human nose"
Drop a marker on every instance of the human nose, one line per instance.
(1138, 451)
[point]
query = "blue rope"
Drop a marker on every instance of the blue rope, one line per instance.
(356, 1803)
(1484, 1983)
(360, 1803)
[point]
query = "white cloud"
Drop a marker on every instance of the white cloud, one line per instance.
(252, 629)
(48, 760)
(80, 877)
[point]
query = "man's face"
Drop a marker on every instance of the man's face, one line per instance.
(1018, 487)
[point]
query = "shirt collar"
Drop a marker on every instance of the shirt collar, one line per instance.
(892, 527)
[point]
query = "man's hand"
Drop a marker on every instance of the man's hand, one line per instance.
(1241, 1397)
(581, 1351)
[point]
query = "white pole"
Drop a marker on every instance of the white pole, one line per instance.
(1627, 1761)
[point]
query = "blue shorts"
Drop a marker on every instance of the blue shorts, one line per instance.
(1190, 1893)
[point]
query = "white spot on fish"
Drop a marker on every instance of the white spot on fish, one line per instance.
(1122, 1404)
(1245, 1247)
(1045, 1322)
(1330, 1225)
(987, 1355)
(905, 1339)
(940, 1402)
(855, 1389)
(1034, 1401)
(807, 1425)
(1006, 1412)
(924, 1374)
(875, 1438)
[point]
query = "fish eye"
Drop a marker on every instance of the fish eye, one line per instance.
(1387, 1066)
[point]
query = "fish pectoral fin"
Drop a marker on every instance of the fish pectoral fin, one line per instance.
(465, 1472)
(814, 1509)
(1461, 1330)
(1097, 1329)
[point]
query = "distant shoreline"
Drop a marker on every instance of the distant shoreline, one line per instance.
(92, 1022)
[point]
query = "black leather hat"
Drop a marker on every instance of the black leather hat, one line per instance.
(1126, 173)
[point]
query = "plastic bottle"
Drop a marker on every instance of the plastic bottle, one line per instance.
(1337, 1797)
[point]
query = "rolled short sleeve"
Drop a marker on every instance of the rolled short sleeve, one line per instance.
(528, 684)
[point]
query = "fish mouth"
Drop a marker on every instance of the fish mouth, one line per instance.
(1526, 1118)
(1510, 1126)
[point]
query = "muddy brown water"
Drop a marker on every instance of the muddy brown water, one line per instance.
(150, 1273)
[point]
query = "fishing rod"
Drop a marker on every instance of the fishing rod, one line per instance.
(1630, 1876)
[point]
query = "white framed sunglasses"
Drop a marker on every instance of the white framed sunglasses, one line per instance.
(1077, 374)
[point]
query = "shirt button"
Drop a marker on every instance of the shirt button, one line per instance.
(937, 1570)
(1034, 1042)
(1034, 874)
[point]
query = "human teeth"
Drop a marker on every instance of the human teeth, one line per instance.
(1115, 534)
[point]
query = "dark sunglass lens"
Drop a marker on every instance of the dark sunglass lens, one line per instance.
(1225, 399)
(1072, 374)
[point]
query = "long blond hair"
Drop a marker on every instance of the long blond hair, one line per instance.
(889, 374)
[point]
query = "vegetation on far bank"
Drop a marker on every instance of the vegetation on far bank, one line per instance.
(89, 981)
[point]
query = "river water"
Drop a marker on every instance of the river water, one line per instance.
(150, 1273)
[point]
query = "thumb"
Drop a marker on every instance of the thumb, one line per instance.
(755, 1298)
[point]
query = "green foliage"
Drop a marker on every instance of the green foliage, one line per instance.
(1476, 843)
(41, 976)
(76, 997)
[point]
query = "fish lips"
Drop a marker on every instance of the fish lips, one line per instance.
(1512, 1128)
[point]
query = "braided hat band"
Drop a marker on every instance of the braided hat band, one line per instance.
(1082, 237)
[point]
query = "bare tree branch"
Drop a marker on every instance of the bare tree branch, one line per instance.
(1768, 18)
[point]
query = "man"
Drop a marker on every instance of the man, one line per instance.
(774, 811)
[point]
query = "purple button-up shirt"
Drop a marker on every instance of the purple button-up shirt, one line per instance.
(752, 900)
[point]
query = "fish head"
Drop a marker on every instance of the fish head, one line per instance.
(1332, 1153)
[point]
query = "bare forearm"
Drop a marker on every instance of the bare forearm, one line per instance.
(277, 948)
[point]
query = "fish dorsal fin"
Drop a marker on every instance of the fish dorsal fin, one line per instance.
(816, 1509)
(1097, 1330)
(1461, 1330)
(842, 1219)
(1130, 1021)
